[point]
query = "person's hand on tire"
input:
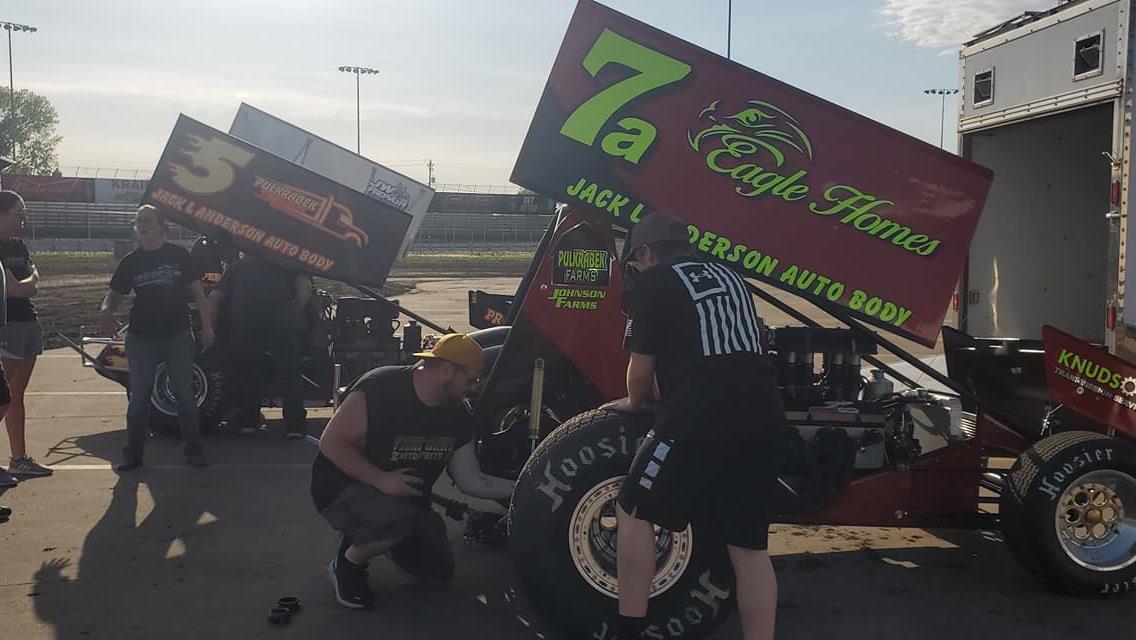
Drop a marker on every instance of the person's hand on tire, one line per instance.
(623, 405)
(402, 483)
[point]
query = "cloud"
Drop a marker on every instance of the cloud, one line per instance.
(949, 23)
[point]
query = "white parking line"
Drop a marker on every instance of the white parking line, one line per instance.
(167, 467)
(75, 393)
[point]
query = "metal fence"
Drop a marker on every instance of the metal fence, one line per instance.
(56, 220)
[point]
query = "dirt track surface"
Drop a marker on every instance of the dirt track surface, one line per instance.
(173, 552)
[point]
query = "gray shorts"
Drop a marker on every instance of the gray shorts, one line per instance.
(366, 515)
(21, 340)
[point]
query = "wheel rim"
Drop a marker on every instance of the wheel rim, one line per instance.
(592, 542)
(1096, 520)
(163, 397)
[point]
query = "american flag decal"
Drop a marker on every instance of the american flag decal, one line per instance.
(726, 315)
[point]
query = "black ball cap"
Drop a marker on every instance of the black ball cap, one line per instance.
(658, 226)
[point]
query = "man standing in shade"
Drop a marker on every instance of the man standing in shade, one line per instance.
(711, 455)
(260, 310)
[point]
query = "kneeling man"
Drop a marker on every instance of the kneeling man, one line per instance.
(395, 432)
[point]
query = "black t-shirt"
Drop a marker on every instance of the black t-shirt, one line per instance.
(402, 432)
(15, 256)
(160, 280)
(699, 321)
(256, 292)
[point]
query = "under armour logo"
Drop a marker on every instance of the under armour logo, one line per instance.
(700, 280)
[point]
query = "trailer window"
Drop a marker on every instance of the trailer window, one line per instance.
(1087, 56)
(983, 88)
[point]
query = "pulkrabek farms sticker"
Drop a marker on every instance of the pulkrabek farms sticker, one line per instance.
(581, 270)
(775, 183)
(1090, 380)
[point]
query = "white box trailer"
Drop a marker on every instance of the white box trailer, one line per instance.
(1047, 105)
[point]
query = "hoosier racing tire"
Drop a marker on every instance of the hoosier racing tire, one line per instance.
(1068, 513)
(562, 538)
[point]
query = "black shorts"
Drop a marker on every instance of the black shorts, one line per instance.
(724, 484)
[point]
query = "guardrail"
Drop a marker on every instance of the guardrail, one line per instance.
(115, 222)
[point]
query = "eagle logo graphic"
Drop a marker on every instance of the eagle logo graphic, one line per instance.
(760, 125)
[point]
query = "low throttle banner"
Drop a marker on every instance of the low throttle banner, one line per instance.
(779, 184)
(229, 190)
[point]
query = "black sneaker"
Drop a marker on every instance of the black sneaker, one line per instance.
(196, 459)
(7, 480)
(131, 460)
(350, 582)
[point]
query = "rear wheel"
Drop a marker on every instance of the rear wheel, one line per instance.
(207, 394)
(1069, 513)
(562, 535)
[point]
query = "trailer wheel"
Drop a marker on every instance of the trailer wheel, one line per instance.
(207, 393)
(562, 532)
(1069, 513)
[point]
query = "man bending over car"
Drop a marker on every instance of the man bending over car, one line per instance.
(382, 451)
(710, 456)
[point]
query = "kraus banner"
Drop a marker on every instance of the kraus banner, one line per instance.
(227, 189)
(1090, 380)
(774, 182)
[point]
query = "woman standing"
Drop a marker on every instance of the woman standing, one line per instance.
(163, 278)
(21, 339)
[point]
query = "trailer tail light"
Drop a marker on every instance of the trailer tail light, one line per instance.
(955, 301)
(1114, 193)
(1110, 317)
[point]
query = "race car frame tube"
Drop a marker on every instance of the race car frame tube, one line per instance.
(378, 296)
(887, 344)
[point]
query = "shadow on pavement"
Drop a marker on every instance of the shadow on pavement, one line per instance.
(976, 590)
(191, 553)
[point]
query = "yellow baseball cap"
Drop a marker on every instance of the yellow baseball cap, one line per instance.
(459, 349)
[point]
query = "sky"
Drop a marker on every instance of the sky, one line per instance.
(458, 79)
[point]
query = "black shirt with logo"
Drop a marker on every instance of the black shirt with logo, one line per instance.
(699, 320)
(402, 432)
(161, 281)
(15, 256)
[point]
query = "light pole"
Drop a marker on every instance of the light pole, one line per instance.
(358, 118)
(942, 109)
(10, 27)
(729, 25)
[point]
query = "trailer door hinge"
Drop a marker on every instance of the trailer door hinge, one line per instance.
(1112, 215)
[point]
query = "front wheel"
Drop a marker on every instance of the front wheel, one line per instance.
(1069, 513)
(562, 530)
